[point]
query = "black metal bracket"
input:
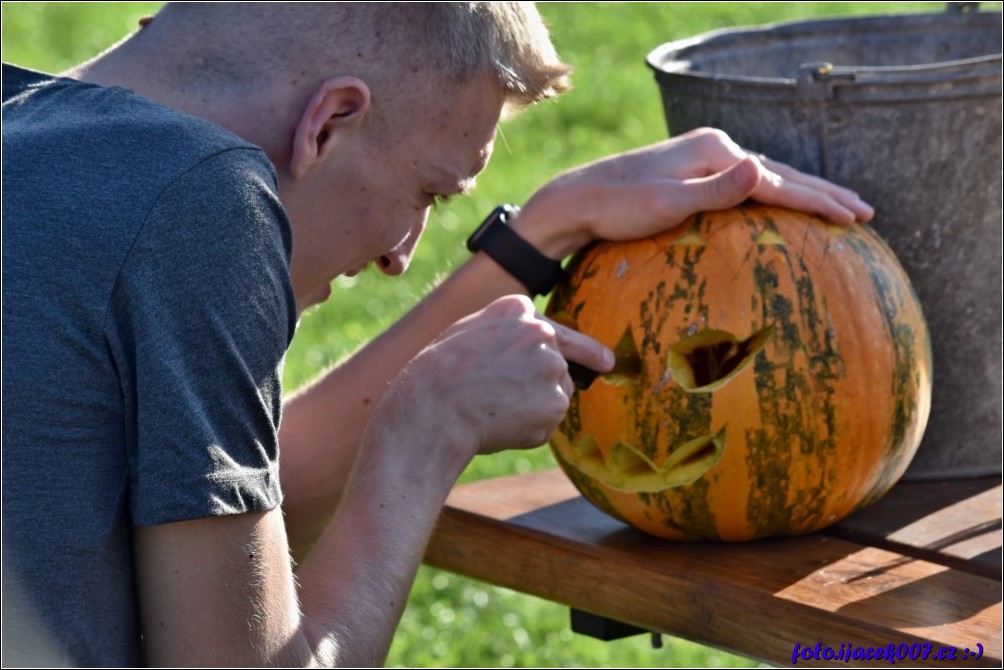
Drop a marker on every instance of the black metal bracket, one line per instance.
(602, 628)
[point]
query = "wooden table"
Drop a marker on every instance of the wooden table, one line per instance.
(921, 567)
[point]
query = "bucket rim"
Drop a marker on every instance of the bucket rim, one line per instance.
(664, 60)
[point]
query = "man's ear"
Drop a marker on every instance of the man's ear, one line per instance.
(338, 104)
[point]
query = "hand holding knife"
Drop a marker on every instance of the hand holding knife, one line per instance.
(627, 360)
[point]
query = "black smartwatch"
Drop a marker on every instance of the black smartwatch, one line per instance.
(518, 257)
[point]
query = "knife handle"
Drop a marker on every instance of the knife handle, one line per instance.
(581, 375)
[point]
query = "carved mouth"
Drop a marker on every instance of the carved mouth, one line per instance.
(627, 469)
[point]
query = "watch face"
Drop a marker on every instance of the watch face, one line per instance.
(502, 212)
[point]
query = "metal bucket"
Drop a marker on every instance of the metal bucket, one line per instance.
(906, 110)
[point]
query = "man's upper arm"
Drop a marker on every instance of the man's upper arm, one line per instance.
(219, 592)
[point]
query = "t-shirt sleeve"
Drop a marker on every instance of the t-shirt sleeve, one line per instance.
(198, 324)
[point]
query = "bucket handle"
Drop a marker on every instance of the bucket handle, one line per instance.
(817, 80)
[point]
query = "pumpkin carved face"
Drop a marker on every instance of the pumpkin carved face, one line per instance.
(774, 375)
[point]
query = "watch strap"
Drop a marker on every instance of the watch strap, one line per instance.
(518, 257)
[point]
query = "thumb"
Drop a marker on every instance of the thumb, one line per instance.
(723, 189)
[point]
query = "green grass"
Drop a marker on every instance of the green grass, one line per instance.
(452, 621)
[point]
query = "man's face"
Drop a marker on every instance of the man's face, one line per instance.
(370, 199)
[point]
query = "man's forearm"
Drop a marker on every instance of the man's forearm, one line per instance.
(323, 424)
(435, 416)
(354, 586)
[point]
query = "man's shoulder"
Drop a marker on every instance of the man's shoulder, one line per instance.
(17, 80)
(111, 127)
(102, 174)
(166, 142)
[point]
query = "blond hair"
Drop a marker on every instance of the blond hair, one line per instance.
(507, 39)
(240, 44)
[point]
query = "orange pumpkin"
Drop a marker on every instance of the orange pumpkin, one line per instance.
(775, 375)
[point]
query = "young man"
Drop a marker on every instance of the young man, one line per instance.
(171, 206)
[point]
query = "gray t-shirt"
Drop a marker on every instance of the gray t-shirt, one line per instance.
(147, 307)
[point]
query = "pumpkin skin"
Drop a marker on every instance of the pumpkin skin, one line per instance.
(809, 383)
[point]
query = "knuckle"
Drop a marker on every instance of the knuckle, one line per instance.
(713, 136)
(536, 331)
(719, 147)
(511, 305)
(547, 332)
(522, 303)
(718, 134)
(561, 407)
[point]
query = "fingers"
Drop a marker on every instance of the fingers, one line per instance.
(644, 192)
(579, 348)
(779, 184)
(720, 190)
(774, 183)
(573, 347)
(555, 343)
(500, 376)
(568, 342)
(547, 387)
(811, 193)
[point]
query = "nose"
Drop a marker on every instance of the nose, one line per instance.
(396, 261)
(393, 263)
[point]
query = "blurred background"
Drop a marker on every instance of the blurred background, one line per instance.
(453, 621)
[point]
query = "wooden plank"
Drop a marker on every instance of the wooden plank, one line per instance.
(505, 497)
(533, 533)
(956, 523)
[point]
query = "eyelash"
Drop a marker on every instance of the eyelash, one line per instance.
(439, 200)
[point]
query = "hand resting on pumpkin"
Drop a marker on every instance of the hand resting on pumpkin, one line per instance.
(643, 192)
